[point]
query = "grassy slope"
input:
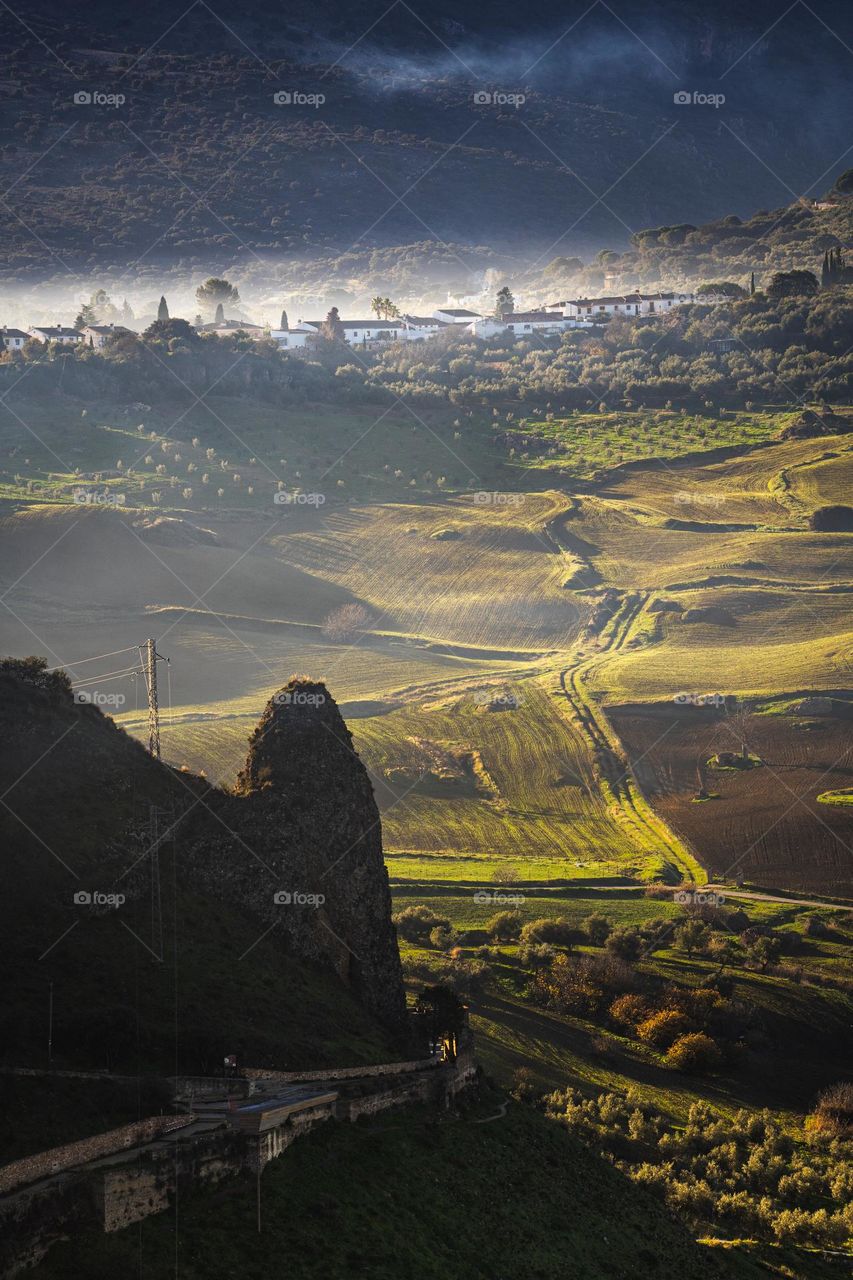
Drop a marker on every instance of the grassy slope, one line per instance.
(806, 1021)
(436, 1197)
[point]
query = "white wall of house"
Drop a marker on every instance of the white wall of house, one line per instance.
(291, 339)
(488, 328)
(98, 336)
(456, 315)
(67, 337)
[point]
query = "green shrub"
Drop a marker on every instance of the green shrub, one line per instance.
(597, 928)
(625, 942)
(557, 931)
(503, 926)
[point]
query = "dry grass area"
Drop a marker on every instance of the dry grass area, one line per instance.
(476, 570)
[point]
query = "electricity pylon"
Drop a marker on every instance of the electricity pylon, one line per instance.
(149, 666)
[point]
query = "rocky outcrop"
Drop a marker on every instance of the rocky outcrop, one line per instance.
(300, 843)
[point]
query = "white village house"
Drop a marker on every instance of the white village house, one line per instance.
(522, 322)
(13, 339)
(456, 315)
(56, 333)
(401, 329)
(99, 335)
(626, 304)
(294, 337)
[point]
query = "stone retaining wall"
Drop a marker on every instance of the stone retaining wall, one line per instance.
(56, 1159)
(111, 1197)
(341, 1073)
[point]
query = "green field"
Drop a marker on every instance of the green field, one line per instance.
(588, 445)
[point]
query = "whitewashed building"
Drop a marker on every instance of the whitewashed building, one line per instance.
(524, 322)
(359, 331)
(13, 339)
(56, 333)
(98, 335)
(419, 327)
(626, 304)
(456, 315)
(228, 328)
(292, 339)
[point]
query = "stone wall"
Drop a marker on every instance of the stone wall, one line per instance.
(57, 1159)
(122, 1194)
(33, 1219)
(341, 1073)
(115, 1195)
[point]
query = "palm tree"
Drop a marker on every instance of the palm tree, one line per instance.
(377, 306)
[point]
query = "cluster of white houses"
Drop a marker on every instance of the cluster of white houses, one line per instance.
(577, 313)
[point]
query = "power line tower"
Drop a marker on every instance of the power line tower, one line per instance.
(150, 659)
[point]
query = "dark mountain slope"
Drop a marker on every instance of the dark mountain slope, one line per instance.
(200, 168)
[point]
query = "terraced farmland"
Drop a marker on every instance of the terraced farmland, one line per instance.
(525, 797)
(665, 577)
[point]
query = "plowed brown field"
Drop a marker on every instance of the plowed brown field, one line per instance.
(766, 825)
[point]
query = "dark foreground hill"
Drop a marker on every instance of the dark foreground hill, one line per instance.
(426, 1196)
(168, 923)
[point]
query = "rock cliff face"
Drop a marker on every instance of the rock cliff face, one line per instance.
(301, 845)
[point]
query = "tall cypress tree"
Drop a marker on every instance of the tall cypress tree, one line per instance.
(163, 310)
